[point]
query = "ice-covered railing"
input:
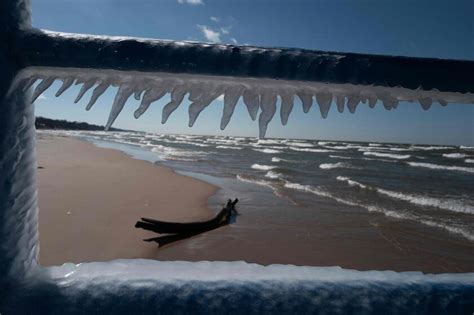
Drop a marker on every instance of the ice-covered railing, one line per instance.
(149, 69)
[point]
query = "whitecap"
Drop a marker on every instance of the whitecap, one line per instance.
(469, 160)
(273, 175)
(262, 167)
(268, 151)
(388, 155)
(454, 155)
(228, 147)
(310, 150)
(442, 167)
(328, 166)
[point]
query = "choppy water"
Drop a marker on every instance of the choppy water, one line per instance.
(430, 185)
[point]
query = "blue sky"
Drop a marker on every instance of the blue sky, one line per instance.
(441, 29)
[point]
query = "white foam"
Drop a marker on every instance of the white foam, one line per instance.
(268, 151)
(351, 182)
(465, 147)
(277, 160)
(328, 166)
(273, 175)
(453, 205)
(374, 145)
(310, 150)
(228, 147)
(454, 155)
(430, 148)
(262, 167)
(300, 144)
(469, 160)
(388, 155)
(341, 157)
(442, 167)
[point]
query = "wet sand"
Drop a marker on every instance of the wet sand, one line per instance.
(105, 192)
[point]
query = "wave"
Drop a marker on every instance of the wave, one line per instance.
(469, 160)
(430, 148)
(338, 147)
(327, 142)
(341, 157)
(310, 150)
(465, 147)
(273, 175)
(351, 182)
(268, 151)
(375, 145)
(262, 167)
(389, 213)
(447, 204)
(329, 166)
(300, 144)
(276, 160)
(454, 155)
(268, 141)
(228, 147)
(388, 155)
(442, 167)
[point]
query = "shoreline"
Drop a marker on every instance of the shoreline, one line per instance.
(91, 197)
(318, 235)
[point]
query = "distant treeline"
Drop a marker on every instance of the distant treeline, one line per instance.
(47, 123)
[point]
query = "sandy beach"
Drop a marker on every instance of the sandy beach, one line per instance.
(90, 199)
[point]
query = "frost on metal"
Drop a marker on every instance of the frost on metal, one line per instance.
(262, 78)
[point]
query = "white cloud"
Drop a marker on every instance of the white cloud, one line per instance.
(191, 2)
(225, 30)
(210, 35)
(215, 19)
(233, 40)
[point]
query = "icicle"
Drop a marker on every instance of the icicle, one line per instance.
(372, 101)
(67, 82)
(177, 96)
(268, 105)
(425, 102)
(151, 95)
(137, 95)
(30, 82)
(124, 92)
(340, 103)
(306, 100)
(324, 100)
(96, 93)
(231, 97)
(352, 103)
(252, 102)
(206, 96)
(389, 103)
(40, 88)
(85, 87)
(286, 107)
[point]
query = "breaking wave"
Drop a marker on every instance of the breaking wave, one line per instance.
(268, 151)
(454, 155)
(442, 167)
(341, 157)
(469, 160)
(228, 147)
(273, 175)
(388, 155)
(329, 166)
(310, 150)
(452, 205)
(262, 167)
(429, 148)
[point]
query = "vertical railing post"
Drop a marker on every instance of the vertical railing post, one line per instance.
(18, 197)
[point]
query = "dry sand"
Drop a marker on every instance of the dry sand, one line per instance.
(90, 199)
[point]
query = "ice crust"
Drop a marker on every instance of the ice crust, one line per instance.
(150, 287)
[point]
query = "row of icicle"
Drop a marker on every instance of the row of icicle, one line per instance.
(202, 94)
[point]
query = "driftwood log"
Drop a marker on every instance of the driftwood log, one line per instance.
(177, 231)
